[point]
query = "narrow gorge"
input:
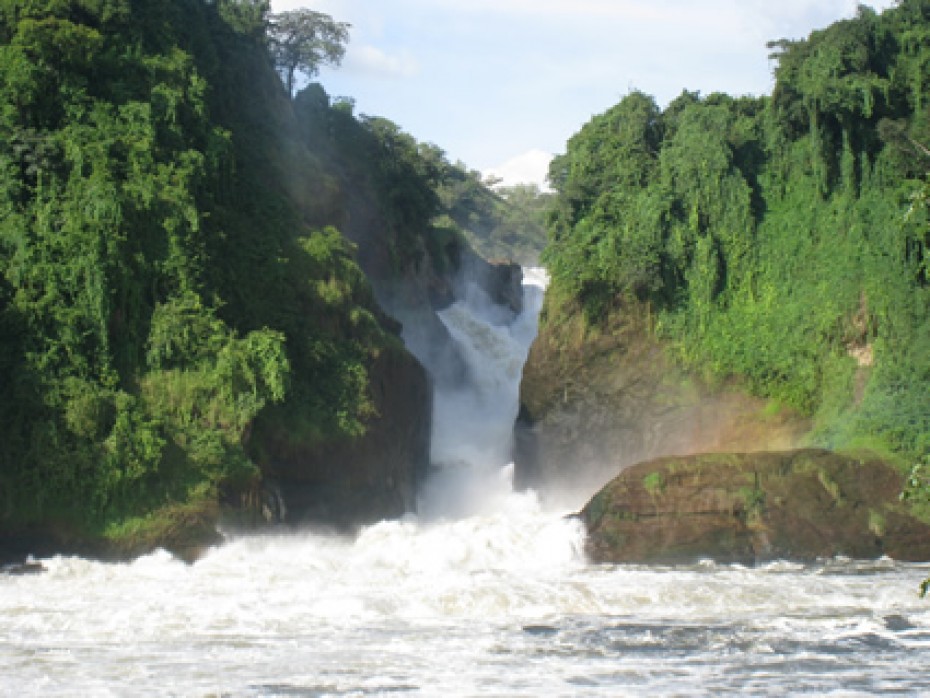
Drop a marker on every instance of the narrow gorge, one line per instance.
(293, 404)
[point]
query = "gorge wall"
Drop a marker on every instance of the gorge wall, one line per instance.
(776, 243)
(596, 398)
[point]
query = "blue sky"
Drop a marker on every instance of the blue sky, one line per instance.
(502, 84)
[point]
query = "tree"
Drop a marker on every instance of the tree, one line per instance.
(247, 17)
(302, 40)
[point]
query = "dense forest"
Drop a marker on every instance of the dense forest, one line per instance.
(781, 242)
(170, 273)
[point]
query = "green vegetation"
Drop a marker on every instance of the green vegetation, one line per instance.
(172, 279)
(782, 242)
(431, 207)
(654, 483)
(304, 39)
(501, 223)
(158, 290)
(753, 503)
(124, 385)
(141, 259)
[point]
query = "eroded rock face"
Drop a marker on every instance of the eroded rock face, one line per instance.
(596, 397)
(501, 280)
(747, 508)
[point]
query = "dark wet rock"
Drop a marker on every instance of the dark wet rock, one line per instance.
(23, 568)
(897, 623)
(353, 481)
(540, 630)
(747, 508)
(501, 280)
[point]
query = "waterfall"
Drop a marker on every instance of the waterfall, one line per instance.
(473, 420)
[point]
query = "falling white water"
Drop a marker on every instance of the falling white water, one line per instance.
(473, 422)
(489, 597)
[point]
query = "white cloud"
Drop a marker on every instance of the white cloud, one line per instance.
(372, 61)
(675, 11)
(637, 10)
(530, 167)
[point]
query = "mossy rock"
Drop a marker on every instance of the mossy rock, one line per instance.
(747, 508)
(185, 530)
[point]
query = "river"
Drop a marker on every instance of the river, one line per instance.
(483, 593)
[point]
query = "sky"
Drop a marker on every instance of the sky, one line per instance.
(501, 85)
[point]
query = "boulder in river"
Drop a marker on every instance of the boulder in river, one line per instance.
(748, 508)
(23, 568)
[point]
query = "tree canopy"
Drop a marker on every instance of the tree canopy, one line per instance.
(303, 40)
(159, 289)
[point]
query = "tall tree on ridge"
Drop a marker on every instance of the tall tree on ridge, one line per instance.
(302, 40)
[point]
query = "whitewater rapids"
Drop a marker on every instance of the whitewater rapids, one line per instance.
(498, 605)
(483, 593)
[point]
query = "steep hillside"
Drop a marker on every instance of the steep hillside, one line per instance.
(186, 315)
(777, 247)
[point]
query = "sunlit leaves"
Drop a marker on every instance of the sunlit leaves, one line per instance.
(129, 386)
(782, 239)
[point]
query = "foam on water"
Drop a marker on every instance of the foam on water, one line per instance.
(501, 604)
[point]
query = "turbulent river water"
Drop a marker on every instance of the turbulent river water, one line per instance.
(483, 593)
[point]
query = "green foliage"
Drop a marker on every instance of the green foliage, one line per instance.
(248, 17)
(428, 209)
(605, 206)
(782, 241)
(519, 231)
(654, 483)
(505, 223)
(160, 292)
(753, 501)
(303, 40)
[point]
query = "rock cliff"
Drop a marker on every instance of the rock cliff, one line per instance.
(599, 396)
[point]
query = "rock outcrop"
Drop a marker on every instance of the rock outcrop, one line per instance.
(186, 530)
(747, 508)
(355, 481)
(598, 396)
(501, 280)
